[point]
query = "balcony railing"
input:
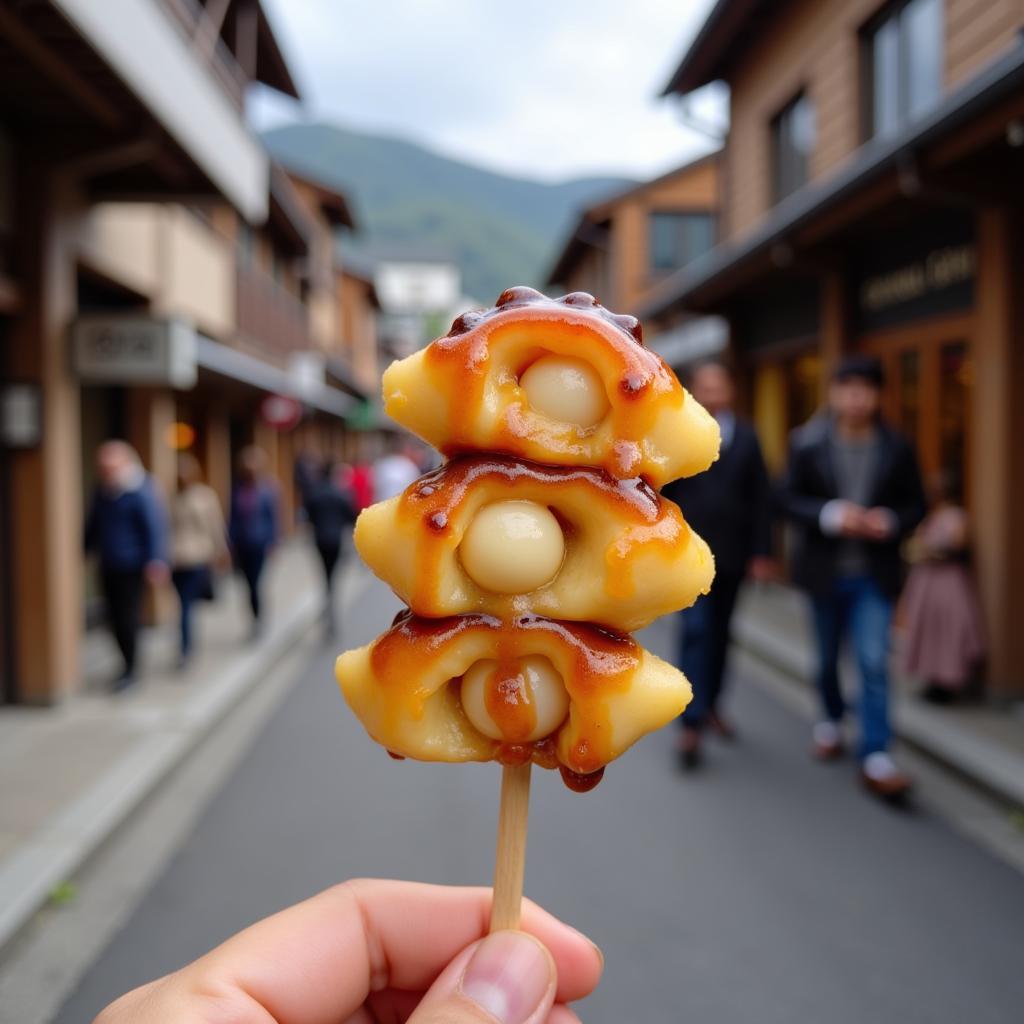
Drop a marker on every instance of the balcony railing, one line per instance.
(270, 317)
(187, 15)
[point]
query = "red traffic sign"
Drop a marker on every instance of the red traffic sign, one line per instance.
(280, 411)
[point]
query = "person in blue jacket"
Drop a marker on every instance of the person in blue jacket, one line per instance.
(126, 529)
(253, 523)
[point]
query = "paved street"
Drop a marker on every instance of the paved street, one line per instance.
(768, 889)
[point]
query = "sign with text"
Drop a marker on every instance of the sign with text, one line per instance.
(915, 273)
(120, 348)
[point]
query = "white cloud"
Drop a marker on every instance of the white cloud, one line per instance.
(549, 88)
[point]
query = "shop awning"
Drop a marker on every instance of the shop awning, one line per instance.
(1001, 80)
(239, 366)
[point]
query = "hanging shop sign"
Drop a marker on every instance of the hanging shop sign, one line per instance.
(915, 273)
(116, 348)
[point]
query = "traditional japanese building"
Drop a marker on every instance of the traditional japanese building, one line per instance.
(160, 281)
(872, 201)
(621, 248)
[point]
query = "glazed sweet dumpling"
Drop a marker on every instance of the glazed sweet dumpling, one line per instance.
(496, 535)
(562, 381)
(476, 688)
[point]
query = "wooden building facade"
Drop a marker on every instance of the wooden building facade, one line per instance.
(872, 201)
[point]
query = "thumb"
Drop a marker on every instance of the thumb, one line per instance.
(506, 978)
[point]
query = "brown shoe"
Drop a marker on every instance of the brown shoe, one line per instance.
(722, 726)
(881, 777)
(827, 741)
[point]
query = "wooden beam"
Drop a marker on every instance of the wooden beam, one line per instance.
(55, 67)
(247, 39)
(208, 29)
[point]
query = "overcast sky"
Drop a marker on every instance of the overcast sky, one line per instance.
(557, 89)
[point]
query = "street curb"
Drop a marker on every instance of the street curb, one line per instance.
(64, 844)
(996, 771)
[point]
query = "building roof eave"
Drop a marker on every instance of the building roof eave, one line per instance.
(576, 242)
(871, 162)
(703, 59)
(153, 61)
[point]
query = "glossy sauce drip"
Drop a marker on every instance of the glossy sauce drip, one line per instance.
(580, 783)
(508, 702)
(646, 384)
(521, 295)
(668, 534)
(436, 499)
(601, 662)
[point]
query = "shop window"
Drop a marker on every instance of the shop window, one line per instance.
(246, 245)
(954, 399)
(677, 238)
(909, 398)
(903, 51)
(793, 136)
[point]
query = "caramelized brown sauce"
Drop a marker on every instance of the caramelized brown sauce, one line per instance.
(595, 662)
(601, 662)
(509, 702)
(645, 383)
(436, 499)
(581, 783)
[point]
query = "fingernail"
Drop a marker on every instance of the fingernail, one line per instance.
(508, 976)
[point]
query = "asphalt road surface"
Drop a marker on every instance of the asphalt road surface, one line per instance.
(767, 889)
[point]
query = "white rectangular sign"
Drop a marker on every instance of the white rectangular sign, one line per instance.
(114, 348)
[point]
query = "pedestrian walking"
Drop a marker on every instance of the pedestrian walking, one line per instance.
(395, 469)
(253, 525)
(730, 507)
(198, 544)
(306, 474)
(126, 528)
(331, 513)
(944, 636)
(853, 492)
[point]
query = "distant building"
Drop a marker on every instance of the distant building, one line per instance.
(158, 280)
(418, 288)
(624, 246)
(872, 202)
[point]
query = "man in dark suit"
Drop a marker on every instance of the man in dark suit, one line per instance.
(730, 507)
(853, 491)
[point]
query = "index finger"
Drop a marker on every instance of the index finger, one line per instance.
(319, 960)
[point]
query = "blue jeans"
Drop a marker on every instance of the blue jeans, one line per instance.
(856, 604)
(190, 583)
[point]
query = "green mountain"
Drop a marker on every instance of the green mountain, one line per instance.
(501, 230)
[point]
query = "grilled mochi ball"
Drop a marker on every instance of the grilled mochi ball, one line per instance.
(495, 535)
(555, 381)
(475, 688)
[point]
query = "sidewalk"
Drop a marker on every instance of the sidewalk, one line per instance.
(83, 766)
(982, 742)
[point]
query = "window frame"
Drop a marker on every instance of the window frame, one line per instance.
(775, 123)
(891, 12)
(686, 212)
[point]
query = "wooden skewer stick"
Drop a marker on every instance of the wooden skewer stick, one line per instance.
(510, 859)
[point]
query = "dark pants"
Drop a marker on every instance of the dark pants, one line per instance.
(122, 593)
(329, 558)
(190, 583)
(250, 561)
(858, 606)
(704, 645)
